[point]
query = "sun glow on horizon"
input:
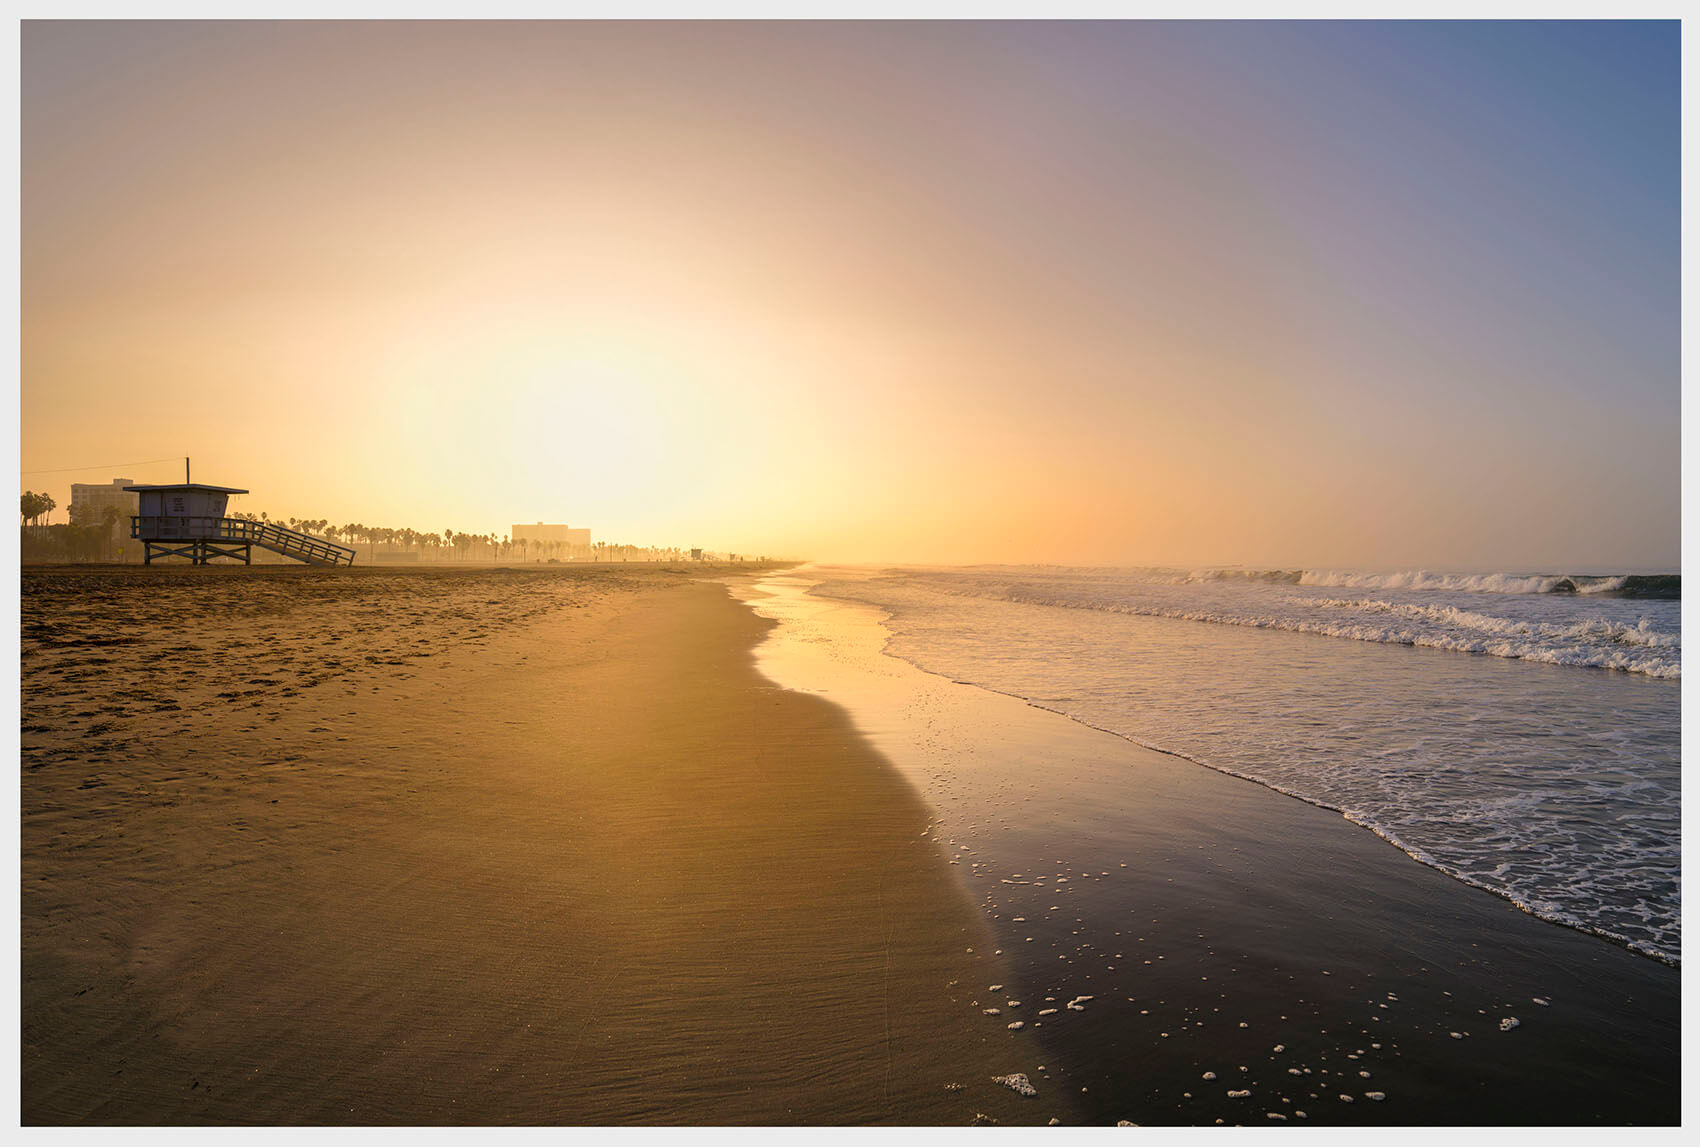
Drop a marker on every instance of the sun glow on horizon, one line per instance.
(873, 291)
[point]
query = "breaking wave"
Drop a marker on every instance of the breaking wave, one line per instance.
(1664, 586)
(1589, 642)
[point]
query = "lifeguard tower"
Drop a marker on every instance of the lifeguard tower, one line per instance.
(188, 521)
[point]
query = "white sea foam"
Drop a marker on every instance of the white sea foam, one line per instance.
(1525, 771)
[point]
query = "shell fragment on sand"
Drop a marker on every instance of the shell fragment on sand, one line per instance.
(1016, 1082)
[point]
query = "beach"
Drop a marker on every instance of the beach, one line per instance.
(604, 846)
(1221, 663)
(447, 847)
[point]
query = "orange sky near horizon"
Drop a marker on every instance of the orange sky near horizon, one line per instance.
(931, 293)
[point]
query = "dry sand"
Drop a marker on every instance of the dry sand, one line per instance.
(416, 846)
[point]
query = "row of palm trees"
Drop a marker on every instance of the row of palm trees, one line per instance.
(453, 545)
(91, 534)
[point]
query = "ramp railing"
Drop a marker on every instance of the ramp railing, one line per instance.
(268, 535)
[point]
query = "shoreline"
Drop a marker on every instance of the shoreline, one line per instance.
(582, 867)
(1275, 942)
(1410, 852)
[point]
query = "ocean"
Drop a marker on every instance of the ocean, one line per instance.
(1519, 731)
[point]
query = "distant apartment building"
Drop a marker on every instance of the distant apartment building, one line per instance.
(546, 533)
(97, 497)
(89, 501)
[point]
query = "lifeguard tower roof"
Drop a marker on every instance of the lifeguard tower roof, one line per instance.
(190, 486)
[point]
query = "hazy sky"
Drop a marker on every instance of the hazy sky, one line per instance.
(1308, 293)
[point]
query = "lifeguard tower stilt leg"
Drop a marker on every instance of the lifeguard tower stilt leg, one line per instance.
(198, 552)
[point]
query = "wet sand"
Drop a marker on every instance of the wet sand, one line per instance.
(472, 847)
(1231, 954)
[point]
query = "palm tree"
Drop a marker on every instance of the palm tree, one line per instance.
(111, 516)
(35, 506)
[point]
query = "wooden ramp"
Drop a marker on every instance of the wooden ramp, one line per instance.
(200, 539)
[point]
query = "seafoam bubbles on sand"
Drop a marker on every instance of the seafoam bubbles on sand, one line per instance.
(1016, 1082)
(1074, 1005)
(1509, 1022)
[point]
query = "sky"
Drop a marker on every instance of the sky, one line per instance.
(1362, 295)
